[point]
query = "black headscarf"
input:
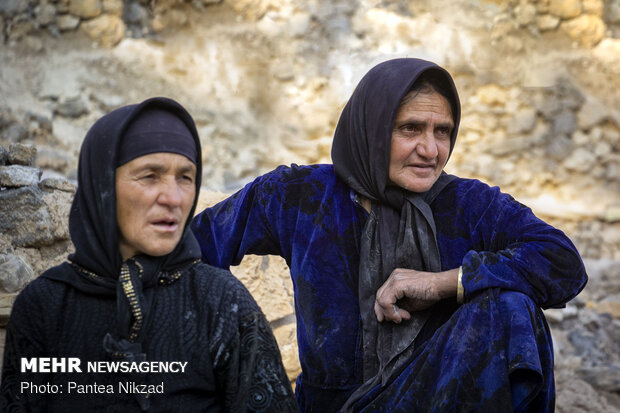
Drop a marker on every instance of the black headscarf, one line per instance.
(400, 231)
(96, 266)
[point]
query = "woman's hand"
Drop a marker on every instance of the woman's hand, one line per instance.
(406, 291)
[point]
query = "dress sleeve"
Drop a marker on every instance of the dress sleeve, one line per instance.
(22, 341)
(518, 251)
(246, 359)
(239, 225)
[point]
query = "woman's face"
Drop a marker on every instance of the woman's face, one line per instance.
(154, 196)
(420, 141)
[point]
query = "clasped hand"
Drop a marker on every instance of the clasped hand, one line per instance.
(406, 291)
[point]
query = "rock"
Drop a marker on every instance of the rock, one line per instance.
(59, 204)
(602, 377)
(581, 160)
(15, 176)
(492, 95)
(609, 306)
(86, 9)
(25, 218)
(57, 183)
(4, 156)
(108, 30)
(523, 121)
(612, 12)
(42, 122)
(594, 7)
(287, 342)
(547, 22)
(135, 13)
(108, 102)
(588, 30)
(602, 148)
(15, 133)
(73, 107)
(14, 273)
(67, 22)
(577, 396)
(114, 7)
(565, 9)
(6, 303)
(54, 159)
(525, 14)
(20, 154)
(46, 14)
(266, 277)
(592, 113)
(564, 122)
(12, 8)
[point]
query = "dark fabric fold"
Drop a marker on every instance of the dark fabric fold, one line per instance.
(400, 231)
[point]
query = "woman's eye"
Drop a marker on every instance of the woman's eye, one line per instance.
(411, 128)
(444, 131)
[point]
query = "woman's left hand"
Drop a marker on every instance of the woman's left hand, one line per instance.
(406, 291)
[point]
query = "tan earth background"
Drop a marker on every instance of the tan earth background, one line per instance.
(266, 80)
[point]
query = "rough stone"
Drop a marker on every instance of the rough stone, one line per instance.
(15, 176)
(12, 8)
(577, 396)
(135, 13)
(586, 29)
(609, 306)
(59, 204)
(602, 377)
(492, 95)
(46, 14)
(67, 22)
(25, 218)
(287, 339)
(525, 14)
(581, 160)
(108, 30)
(267, 278)
(565, 122)
(592, 113)
(523, 121)
(4, 156)
(114, 7)
(565, 9)
(15, 133)
(14, 273)
(60, 184)
(612, 12)
(6, 303)
(547, 22)
(594, 7)
(86, 9)
(73, 107)
(20, 154)
(53, 159)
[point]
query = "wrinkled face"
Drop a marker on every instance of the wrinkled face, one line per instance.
(154, 196)
(420, 141)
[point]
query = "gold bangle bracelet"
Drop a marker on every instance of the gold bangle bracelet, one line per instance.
(460, 292)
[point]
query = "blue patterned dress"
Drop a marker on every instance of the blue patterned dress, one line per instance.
(492, 353)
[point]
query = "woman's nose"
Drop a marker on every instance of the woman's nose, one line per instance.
(170, 193)
(427, 147)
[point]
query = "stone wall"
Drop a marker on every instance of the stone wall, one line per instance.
(34, 231)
